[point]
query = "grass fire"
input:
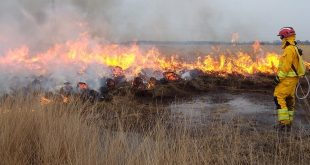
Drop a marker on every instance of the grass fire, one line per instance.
(136, 82)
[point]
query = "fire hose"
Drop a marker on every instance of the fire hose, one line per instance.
(304, 95)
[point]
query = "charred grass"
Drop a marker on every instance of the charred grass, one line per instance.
(126, 131)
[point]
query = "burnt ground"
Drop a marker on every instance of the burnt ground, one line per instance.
(197, 102)
(253, 110)
(248, 100)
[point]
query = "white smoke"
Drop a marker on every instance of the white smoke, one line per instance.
(44, 22)
(40, 24)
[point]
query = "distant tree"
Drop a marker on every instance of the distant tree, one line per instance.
(277, 42)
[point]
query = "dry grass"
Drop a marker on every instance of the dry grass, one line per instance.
(79, 133)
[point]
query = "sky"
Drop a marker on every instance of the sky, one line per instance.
(261, 19)
(44, 22)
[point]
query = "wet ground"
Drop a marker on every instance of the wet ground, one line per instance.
(259, 108)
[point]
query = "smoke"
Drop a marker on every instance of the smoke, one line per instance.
(40, 24)
(159, 20)
(44, 22)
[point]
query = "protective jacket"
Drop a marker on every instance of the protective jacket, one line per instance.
(289, 60)
(284, 94)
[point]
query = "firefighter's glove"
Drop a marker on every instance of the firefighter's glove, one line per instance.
(276, 80)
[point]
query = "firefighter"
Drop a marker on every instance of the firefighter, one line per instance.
(289, 69)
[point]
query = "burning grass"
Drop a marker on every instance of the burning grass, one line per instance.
(85, 61)
(107, 133)
(131, 126)
(172, 85)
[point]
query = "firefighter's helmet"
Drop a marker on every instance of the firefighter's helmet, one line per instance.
(286, 32)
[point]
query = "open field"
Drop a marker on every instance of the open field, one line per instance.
(223, 121)
(119, 133)
(143, 82)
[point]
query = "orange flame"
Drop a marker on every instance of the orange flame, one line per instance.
(171, 76)
(152, 83)
(45, 101)
(256, 46)
(132, 59)
(65, 99)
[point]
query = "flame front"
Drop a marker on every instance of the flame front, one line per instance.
(82, 54)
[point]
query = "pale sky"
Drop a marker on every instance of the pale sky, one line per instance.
(36, 22)
(263, 18)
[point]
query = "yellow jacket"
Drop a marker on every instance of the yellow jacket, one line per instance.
(288, 58)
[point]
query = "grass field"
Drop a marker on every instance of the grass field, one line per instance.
(125, 131)
(119, 133)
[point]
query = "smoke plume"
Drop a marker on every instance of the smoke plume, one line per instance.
(31, 27)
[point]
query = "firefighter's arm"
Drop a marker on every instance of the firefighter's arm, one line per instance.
(288, 57)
